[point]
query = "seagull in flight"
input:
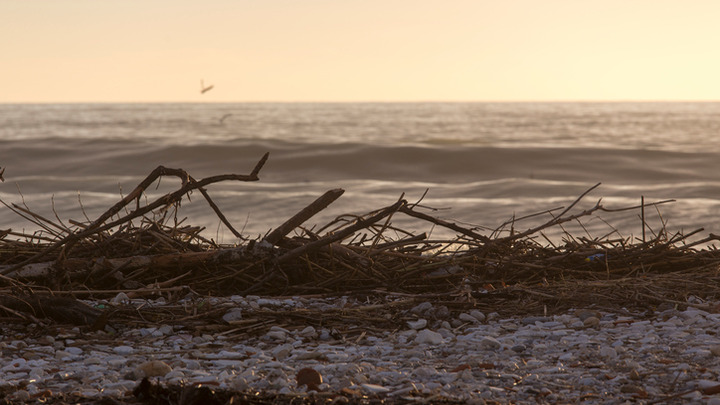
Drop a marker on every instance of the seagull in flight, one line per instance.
(204, 89)
(222, 119)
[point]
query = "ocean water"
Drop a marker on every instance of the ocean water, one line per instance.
(477, 164)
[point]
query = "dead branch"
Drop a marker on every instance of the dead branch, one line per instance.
(342, 234)
(187, 186)
(303, 215)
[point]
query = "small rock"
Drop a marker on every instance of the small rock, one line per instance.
(282, 352)
(584, 314)
(489, 342)
(591, 322)
(276, 335)
(61, 354)
(121, 298)
(467, 318)
(75, 351)
(310, 378)
(510, 326)
(429, 337)
(607, 352)
(424, 372)
(420, 309)
(477, 315)
(446, 333)
(123, 350)
(20, 395)
(154, 368)
(709, 387)
(191, 364)
(308, 332)
(442, 312)
(715, 350)
(417, 325)
(531, 320)
(36, 372)
(375, 389)
(567, 357)
(233, 315)
(713, 401)
(588, 382)
(46, 340)
(174, 374)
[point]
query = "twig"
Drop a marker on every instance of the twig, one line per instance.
(218, 212)
(467, 232)
(642, 216)
(303, 215)
(341, 234)
(556, 220)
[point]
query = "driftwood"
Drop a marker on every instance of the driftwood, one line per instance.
(100, 224)
(306, 213)
(353, 254)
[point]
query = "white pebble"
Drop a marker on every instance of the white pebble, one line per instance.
(121, 298)
(124, 350)
(429, 337)
(75, 351)
(308, 332)
(467, 318)
(276, 335)
(417, 325)
(233, 315)
(375, 389)
(477, 315)
(489, 342)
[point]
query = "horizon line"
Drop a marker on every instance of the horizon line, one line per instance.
(369, 101)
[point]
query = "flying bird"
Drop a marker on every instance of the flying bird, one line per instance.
(222, 119)
(204, 89)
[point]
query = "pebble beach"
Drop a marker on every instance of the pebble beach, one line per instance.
(671, 355)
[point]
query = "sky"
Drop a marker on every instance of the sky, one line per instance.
(359, 50)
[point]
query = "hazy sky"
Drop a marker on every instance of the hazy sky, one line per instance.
(358, 50)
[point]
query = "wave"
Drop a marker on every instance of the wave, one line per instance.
(312, 162)
(484, 185)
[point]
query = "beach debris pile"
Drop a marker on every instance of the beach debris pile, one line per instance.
(137, 249)
(136, 305)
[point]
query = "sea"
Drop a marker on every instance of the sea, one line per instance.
(492, 167)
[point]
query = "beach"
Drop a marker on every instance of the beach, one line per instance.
(470, 253)
(666, 356)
